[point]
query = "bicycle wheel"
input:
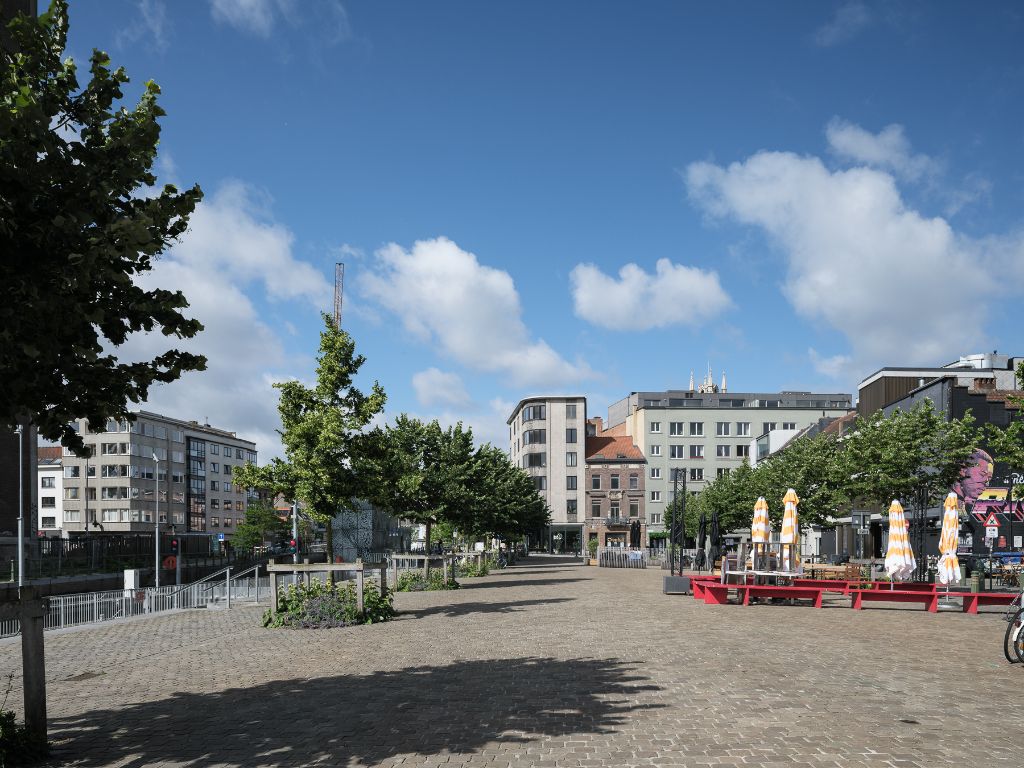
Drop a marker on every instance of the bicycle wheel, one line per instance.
(1013, 640)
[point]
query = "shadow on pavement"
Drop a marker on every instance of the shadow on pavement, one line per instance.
(426, 710)
(474, 584)
(464, 609)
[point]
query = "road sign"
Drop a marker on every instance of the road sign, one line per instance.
(220, 537)
(992, 521)
(991, 532)
(863, 531)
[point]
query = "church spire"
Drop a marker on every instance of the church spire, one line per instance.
(691, 380)
(723, 382)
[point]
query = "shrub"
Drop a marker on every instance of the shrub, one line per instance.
(413, 581)
(321, 606)
(592, 547)
(16, 747)
(471, 569)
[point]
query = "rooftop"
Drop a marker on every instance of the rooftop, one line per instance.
(612, 447)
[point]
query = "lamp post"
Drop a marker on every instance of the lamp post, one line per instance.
(156, 522)
(21, 508)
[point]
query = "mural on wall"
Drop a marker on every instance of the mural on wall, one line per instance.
(975, 478)
(984, 491)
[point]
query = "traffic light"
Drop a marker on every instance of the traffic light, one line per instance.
(293, 546)
(174, 545)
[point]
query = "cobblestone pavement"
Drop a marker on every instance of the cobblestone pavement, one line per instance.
(547, 664)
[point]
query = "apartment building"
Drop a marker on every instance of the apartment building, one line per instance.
(547, 439)
(50, 480)
(114, 489)
(706, 432)
(615, 486)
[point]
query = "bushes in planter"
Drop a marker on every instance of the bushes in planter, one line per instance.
(319, 606)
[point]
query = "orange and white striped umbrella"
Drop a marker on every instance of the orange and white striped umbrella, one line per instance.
(761, 528)
(790, 525)
(949, 566)
(899, 557)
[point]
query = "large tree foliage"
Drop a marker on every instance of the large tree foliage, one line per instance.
(322, 434)
(79, 222)
(262, 523)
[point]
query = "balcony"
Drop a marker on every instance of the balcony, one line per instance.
(618, 522)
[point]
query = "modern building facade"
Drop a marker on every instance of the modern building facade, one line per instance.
(615, 480)
(114, 489)
(547, 439)
(707, 432)
(50, 480)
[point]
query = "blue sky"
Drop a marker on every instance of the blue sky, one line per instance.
(581, 197)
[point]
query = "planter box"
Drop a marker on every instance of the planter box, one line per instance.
(676, 585)
(592, 561)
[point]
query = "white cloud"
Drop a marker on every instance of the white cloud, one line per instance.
(849, 19)
(328, 18)
(835, 367)
(230, 250)
(637, 300)
(888, 149)
(435, 387)
(901, 286)
(151, 22)
(471, 311)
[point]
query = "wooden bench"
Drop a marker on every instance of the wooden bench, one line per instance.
(930, 599)
(767, 590)
(973, 599)
(716, 593)
(827, 585)
(697, 583)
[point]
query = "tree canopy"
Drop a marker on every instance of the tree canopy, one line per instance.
(80, 221)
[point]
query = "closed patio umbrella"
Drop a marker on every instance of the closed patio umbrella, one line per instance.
(702, 540)
(713, 536)
(790, 535)
(949, 566)
(760, 532)
(899, 557)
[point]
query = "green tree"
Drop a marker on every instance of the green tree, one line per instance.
(815, 468)
(79, 222)
(322, 435)
(503, 501)
(915, 456)
(262, 523)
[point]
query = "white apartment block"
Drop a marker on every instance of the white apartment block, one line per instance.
(114, 490)
(50, 477)
(705, 433)
(547, 438)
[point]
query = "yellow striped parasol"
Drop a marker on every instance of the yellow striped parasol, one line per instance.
(949, 566)
(761, 529)
(790, 527)
(899, 557)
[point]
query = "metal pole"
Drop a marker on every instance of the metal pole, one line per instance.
(21, 508)
(674, 532)
(156, 523)
(682, 527)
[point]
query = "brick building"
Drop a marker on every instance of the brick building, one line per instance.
(615, 486)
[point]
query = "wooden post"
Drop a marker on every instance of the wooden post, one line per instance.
(394, 573)
(444, 568)
(359, 591)
(384, 581)
(33, 664)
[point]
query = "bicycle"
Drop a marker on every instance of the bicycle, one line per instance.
(1013, 640)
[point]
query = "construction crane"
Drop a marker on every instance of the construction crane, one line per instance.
(339, 289)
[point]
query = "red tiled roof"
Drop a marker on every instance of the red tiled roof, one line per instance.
(612, 447)
(840, 425)
(49, 451)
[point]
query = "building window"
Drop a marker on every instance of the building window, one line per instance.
(72, 516)
(696, 451)
(655, 518)
(675, 428)
(723, 451)
(595, 482)
(570, 510)
(634, 509)
(72, 472)
(70, 493)
(532, 412)
(535, 460)
(215, 449)
(696, 473)
(655, 427)
(742, 429)
(570, 435)
(48, 502)
(723, 471)
(655, 473)
(655, 450)
(227, 504)
(676, 451)
(595, 509)
(214, 503)
(722, 428)
(614, 483)
(742, 451)
(570, 411)
(570, 459)
(655, 495)
(228, 522)
(49, 522)
(535, 436)
(215, 521)
(540, 483)
(227, 469)
(767, 426)
(696, 429)
(215, 485)
(789, 425)
(613, 510)
(570, 482)
(634, 482)
(47, 482)
(114, 492)
(214, 466)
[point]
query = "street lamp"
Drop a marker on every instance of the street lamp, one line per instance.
(156, 522)
(21, 508)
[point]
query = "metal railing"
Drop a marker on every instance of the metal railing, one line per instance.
(621, 557)
(94, 607)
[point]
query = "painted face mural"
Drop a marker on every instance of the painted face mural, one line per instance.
(975, 478)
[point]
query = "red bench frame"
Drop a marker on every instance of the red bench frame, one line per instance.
(930, 599)
(973, 599)
(795, 592)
